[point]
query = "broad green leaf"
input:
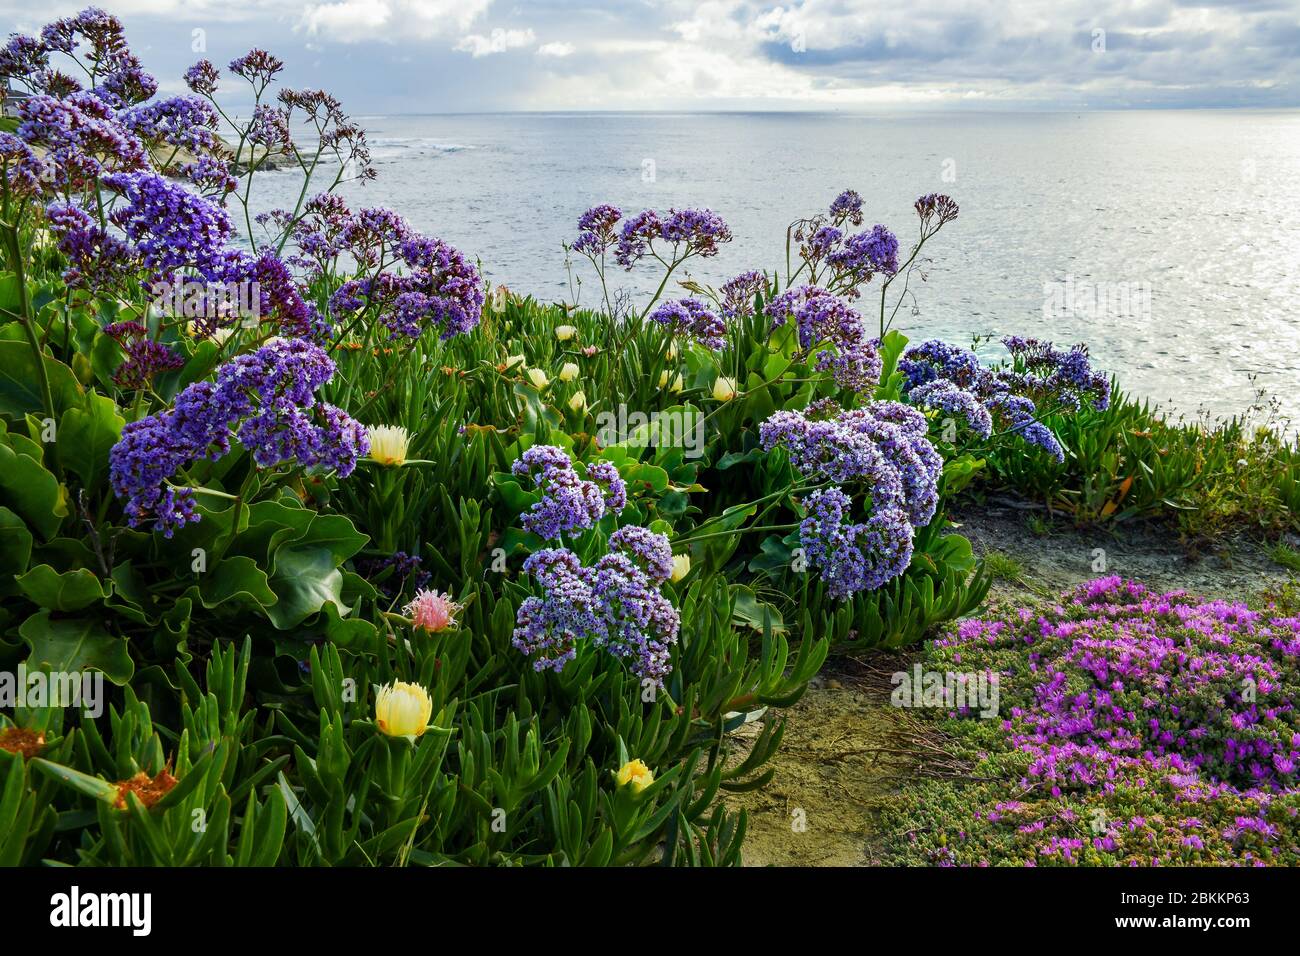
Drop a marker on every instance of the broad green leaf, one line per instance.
(85, 436)
(305, 579)
(20, 389)
(70, 591)
(15, 543)
(235, 578)
(749, 611)
(32, 491)
(73, 644)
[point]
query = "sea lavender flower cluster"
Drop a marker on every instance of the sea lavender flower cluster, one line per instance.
(79, 140)
(257, 66)
(847, 208)
(1154, 729)
(738, 294)
(865, 254)
(115, 73)
(267, 397)
(1062, 377)
(838, 334)
(202, 78)
(952, 381)
(882, 447)
(936, 210)
(97, 259)
(145, 358)
(943, 396)
(851, 260)
(690, 232)
(693, 318)
(170, 227)
(569, 502)
(181, 122)
(441, 288)
(615, 604)
(596, 230)
(853, 556)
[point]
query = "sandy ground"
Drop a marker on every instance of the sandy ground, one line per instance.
(839, 758)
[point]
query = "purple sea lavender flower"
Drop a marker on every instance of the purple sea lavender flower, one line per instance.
(738, 294)
(80, 140)
(23, 170)
(693, 318)
(184, 122)
(853, 557)
(23, 57)
(605, 474)
(936, 210)
(847, 207)
(202, 78)
(144, 358)
(170, 227)
(651, 551)
(942, 395)
(596, 230)
(867, 253)
(853, 358)
(257, 66)
(271, 391)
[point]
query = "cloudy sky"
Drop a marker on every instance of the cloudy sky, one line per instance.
(429, 56)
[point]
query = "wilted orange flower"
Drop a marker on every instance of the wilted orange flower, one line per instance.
(25, 743)
(149, 789)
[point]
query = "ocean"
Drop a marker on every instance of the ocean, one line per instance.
(1169, 241)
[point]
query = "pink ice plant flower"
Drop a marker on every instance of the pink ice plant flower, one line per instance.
(432, 611)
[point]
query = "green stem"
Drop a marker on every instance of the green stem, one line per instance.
(721, 534)
(13, 252)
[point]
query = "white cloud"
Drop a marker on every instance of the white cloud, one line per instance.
(350, 21)
(498, 41)
(752, 54)
(555, 49)
(347, 18)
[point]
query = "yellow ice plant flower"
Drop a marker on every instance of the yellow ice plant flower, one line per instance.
(538, 378)
(388, 444)
(724, 389)
(565, 332)
(402, 709)
(681, 566)
(579, 402)
(676, 382)
(569, 372)
(512, 361)
(636, 773)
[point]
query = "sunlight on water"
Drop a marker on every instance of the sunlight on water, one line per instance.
(1175, 234)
